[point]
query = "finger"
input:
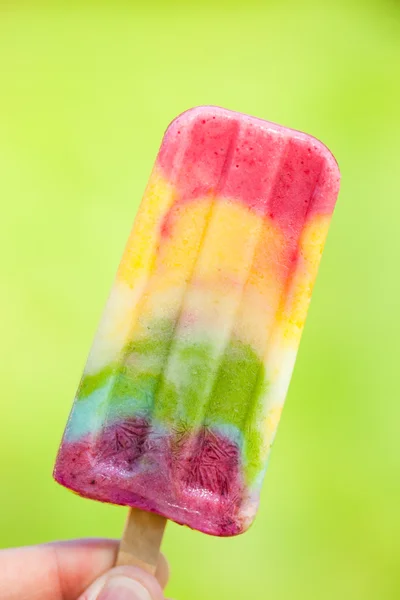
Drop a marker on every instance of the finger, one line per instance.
(124, 583)
(72, 562)
(57, 571)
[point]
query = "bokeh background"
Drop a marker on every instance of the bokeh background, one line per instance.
(87, 89)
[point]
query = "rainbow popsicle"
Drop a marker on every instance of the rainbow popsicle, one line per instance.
(183, 389)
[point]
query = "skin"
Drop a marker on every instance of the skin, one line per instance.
(64, 570)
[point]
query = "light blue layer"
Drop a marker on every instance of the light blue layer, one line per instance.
(88, 417)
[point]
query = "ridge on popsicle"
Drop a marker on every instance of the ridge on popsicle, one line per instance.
(184, 386)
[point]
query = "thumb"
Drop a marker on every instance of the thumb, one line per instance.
(124, 583)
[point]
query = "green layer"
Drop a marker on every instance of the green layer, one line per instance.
(200, 389)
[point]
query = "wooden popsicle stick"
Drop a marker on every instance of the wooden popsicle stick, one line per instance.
(141, 540)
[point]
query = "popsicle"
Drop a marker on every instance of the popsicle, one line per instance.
(184, 386)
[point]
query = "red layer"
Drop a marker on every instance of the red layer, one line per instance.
(273, 170)
(130, 465)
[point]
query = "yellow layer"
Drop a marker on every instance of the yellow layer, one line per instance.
(222, 265)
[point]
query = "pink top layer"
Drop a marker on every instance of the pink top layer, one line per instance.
(287, 175)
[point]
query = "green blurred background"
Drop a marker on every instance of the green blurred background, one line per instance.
(87, 89)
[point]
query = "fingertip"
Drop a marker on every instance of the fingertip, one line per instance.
(125, 582)
(148, 581)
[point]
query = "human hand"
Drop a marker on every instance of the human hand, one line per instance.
(80, 569)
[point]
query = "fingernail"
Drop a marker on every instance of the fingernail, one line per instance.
(123, 588)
